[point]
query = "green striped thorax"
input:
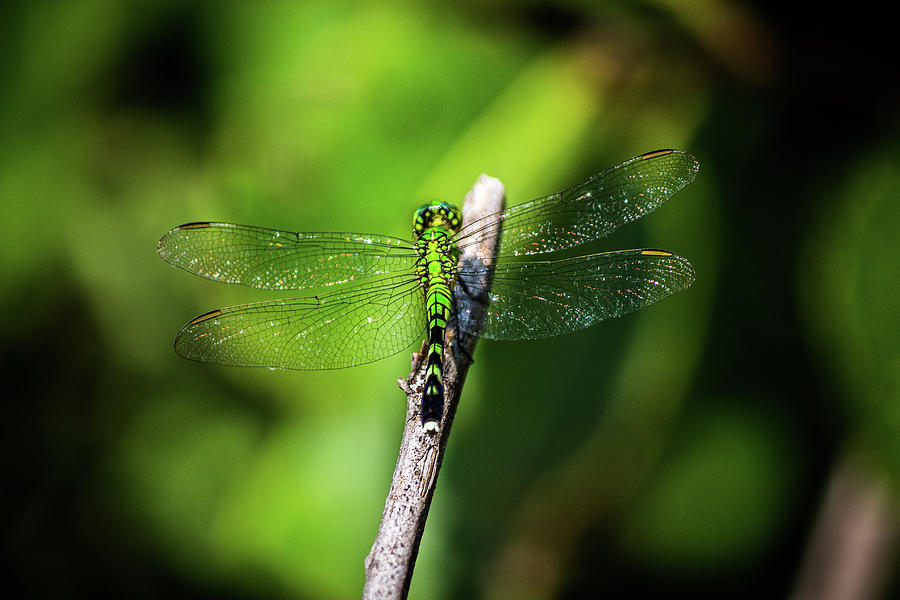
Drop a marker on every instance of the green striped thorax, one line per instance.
(433, 225)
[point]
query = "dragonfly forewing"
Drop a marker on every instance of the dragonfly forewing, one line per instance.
(590, 210)
(282, 260)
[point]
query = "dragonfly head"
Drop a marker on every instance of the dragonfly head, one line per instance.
(437, 214)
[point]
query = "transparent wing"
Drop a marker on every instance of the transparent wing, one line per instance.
(532, 300)
(279, 260)
(590, 210)
(328, 331)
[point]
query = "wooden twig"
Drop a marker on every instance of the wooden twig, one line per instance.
(389, 565)
(854, 542)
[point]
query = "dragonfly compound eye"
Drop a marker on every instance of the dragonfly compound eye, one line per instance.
(421, 219)
(452, 217)
(438, 214)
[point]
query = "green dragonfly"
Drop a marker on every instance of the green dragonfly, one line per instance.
(379, 294)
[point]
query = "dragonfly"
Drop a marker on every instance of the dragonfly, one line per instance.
(376, 295)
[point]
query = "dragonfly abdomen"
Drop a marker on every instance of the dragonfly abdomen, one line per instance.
(438, 300)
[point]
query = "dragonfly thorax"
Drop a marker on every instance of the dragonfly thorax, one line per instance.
(436, 214)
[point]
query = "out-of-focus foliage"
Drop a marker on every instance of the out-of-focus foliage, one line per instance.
(854, 323)
(680, 451)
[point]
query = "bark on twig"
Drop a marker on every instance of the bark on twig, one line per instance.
(389, 565)
(854, 542)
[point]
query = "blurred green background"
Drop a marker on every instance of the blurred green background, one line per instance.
(697, 449)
